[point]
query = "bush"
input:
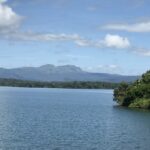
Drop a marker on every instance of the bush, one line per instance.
(141, 103)
(136, 94)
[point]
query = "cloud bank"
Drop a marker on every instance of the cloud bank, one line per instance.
(137, 27)
(107, 68)
(109, 41)
(10, 23)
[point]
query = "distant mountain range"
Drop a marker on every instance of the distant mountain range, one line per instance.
(61, 73)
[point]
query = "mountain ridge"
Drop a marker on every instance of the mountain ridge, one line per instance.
(65, 73)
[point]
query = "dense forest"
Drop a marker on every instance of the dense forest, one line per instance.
(135, 95)
(73, 85)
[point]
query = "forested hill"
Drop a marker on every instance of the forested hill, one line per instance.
(66, 73)
(136, 94)
(73, 85)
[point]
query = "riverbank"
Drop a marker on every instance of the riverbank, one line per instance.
(135, 95)
(71, 84)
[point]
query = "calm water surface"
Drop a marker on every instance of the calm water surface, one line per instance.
(58, 119)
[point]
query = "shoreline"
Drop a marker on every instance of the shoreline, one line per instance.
(58, 84)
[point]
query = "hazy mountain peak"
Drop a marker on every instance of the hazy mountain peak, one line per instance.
(47, 66)
(60, 69)
(50, 72)
(69, 68)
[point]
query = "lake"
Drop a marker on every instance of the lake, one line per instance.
(66, 119)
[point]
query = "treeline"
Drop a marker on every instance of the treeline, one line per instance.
(135, 95)
(73, 85)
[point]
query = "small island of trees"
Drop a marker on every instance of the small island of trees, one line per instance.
(134, 95)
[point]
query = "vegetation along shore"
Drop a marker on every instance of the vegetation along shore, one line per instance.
(69, 84)
(134, 95)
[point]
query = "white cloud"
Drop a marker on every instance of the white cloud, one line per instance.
(110, 41)
(84, 42)
(146, 53)
(42, 37)
(142, 52)
(137, 27)
(116, 41)
(106, 68)
(9, 20)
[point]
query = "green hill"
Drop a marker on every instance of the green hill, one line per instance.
(135, 95)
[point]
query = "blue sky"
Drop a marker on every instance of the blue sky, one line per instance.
(96, 35)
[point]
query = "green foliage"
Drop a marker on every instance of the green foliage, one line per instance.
(73, 85)
(120, 93)
(136, 94)
(141, 103)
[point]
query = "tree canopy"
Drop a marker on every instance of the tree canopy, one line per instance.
(73, 85)
(135, 94)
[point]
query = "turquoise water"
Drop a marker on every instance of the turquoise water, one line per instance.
(64, 119)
